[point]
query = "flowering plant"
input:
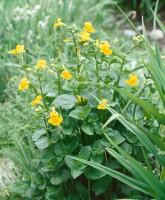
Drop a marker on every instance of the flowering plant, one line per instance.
(72, 99)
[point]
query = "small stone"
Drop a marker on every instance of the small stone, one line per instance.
(139, 27)
(130, 32)
(156, 34)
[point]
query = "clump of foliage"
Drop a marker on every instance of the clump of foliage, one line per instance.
(73, 151)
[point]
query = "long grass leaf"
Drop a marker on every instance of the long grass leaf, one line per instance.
(136, 169)
(119, 176)
(140, 135)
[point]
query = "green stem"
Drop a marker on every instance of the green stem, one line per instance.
(82, 136)
(42, 93)
(137, 68)
(98, 80)
(135, 106)
(137, 94)
(97, 67)
(76, 48)
(47, 133)
(97, 74)
(146, 160)
(34, 88)
(22, 63)
(121, 69)
(89, 189)
(59, 83)
(45, 109)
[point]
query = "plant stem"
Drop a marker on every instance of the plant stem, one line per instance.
(89, 189)
(34, 88)
(97, 74)
(135, 106)
(42, 93)
(45, 109)
(76, 49)
(59, 82)
(98, 80)
(121, 69)
(22, 63)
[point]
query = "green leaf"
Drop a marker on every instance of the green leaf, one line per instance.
(5, 141)
(77, 168)
(146, 106)
(65, 101)
(120, 176)
(88, 129)
(50, 96)
(72, 197)
(136, 168)
(127, 148)
(156, 68)
(67, 130)
(101, 186)
(81, 191)
(97, 158)
(85, 111)
(140, 133)
(25, 66)
(80, 113)
(98, 148)
(77, 171)
(93, 173)
(118, 138)
(38, 134)
(85, 152)
(42, 143)
(61, 177)
(55, 136)
(130, 137)
(76, 114)
(53, 193)
(71, 143)
(60, 149)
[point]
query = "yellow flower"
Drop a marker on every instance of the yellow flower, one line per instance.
(66, 40)
(59, 23)
(36, 101)
(55, 119)
(81, 99)
(18, 50)
(104, 45)
(84, 35)
(65, 74)
(101, 106)
(105, 48)
(106, 52)
(88, 27)
(24, 84)
(133, 80)
(41, 64)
